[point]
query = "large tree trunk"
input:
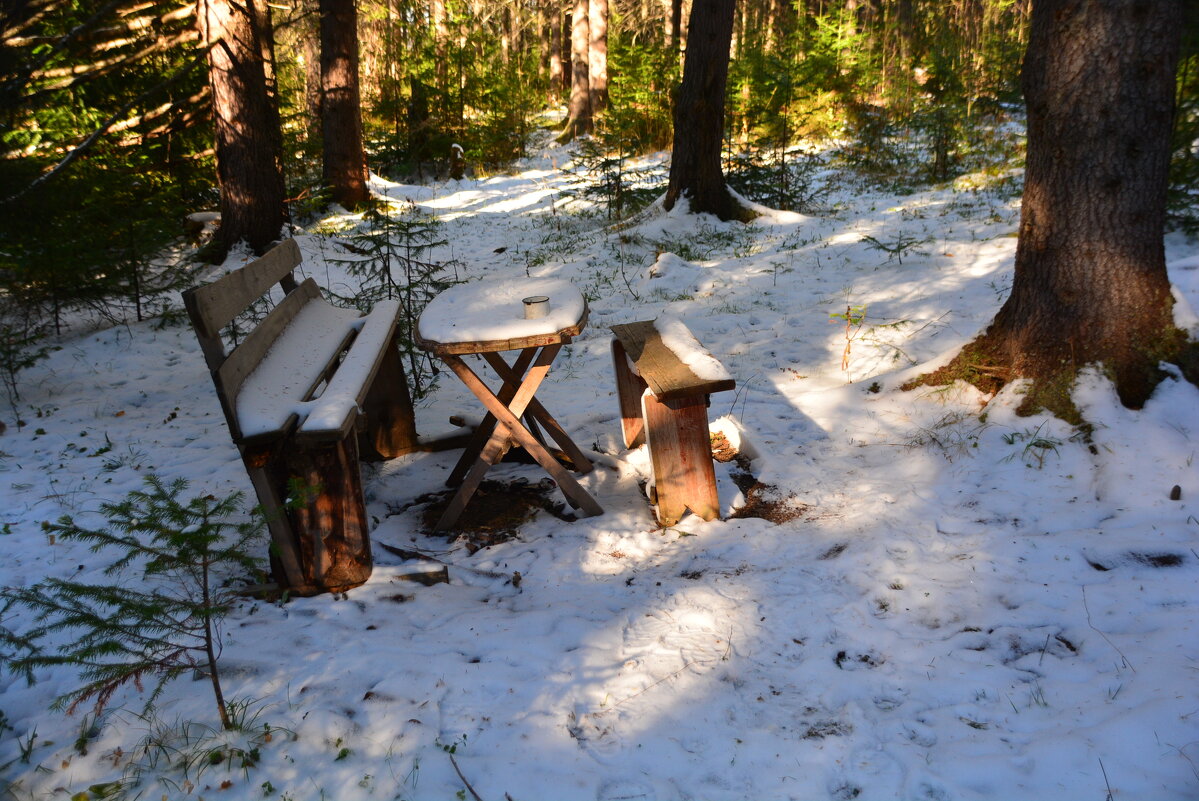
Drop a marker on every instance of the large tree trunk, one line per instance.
(579, 122)
(699, 115)
(1090, 283)
(597, 54)
(248, 138)
(344, 161)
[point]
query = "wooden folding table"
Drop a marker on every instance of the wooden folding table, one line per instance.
(487, 318)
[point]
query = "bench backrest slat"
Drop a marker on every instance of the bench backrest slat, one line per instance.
(231, 374)
(213, 306)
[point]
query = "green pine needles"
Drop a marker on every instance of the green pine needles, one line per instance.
(175, 581)
(395, 246)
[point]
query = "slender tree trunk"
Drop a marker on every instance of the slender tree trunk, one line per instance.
(1090, 283)
(580, 120)
(676, 26)
(441, 38)
(344, 161)
(557, 76)
(246, 122)
(597, 54)
(699, 115)
(310, 42)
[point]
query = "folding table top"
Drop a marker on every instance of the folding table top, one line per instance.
(488, 316)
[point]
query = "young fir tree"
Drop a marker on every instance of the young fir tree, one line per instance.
(163, 625)
(395, 264)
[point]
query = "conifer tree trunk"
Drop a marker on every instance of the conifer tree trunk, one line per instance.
(579, 122)
(246, 121)
(676, 26)
(557, 76)
(310, 41)
(1090, 283)
(699, 115)
(597, 54)
(344, 161)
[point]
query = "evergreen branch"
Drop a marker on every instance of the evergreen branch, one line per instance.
(22, 77)
(104, 127)
(119, 635)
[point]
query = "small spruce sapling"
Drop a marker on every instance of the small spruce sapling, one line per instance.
(395, 245)
(186, 557)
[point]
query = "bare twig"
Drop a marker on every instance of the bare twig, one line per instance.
(475, 795)
(1105, 781)
(1104, 636)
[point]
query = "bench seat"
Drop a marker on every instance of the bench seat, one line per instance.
(277, 397)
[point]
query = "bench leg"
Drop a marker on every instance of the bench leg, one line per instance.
(322, 543)
(681, 452)
(629, 387)
(390, 423)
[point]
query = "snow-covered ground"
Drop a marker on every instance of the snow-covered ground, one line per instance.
(968, 606)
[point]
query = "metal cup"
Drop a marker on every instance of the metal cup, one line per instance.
(536, 307)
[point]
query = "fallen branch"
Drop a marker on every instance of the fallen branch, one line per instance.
(458, 770)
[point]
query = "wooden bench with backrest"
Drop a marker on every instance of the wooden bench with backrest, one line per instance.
(307, 392)
(663, 380)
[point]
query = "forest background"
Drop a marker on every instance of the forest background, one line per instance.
(107, 115)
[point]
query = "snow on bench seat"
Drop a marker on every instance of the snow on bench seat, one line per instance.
(278, 389)
(345, 390)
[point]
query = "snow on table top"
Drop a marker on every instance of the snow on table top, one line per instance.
(488, 311)
(680, 341)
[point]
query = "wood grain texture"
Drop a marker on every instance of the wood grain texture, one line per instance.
(665, 373)
(508, 419)
(629, 388)
(681, 453)
(216, 304)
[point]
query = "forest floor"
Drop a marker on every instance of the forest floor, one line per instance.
(927, 598)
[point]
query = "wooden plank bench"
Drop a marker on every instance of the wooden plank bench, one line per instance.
(310, 389)
(663, 380)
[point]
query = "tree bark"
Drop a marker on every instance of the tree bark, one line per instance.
(344, 161)
(699, 115)
(557, 76)
(676, 26)
(580, 121)
(597, 54)
(246, 122)
(310, 41)
(1090, 283)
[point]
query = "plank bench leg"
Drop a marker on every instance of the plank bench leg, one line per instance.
(321, 544)
(390, 428)
(681, 452)
(629, 387)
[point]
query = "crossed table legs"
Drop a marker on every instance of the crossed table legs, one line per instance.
(502, 426)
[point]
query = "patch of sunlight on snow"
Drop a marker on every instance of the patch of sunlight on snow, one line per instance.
(668, 658)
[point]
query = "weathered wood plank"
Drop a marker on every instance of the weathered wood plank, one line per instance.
(390, 429)
(629, 388)
(660, 367)
(247, 356)
(506, 418)
(216, 304)
(537, 412)
(681, 452)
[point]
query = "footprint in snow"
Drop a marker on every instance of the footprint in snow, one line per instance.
(626, 790)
